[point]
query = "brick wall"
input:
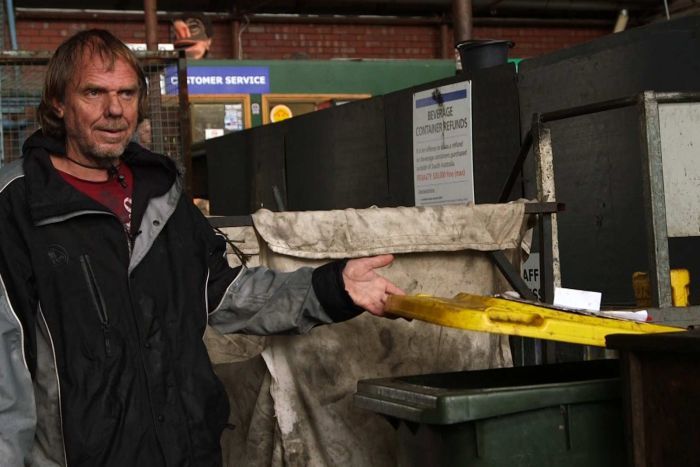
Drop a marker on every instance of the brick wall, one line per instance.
(315, 41)
(262, 40)
(48, 34)
(533, 41)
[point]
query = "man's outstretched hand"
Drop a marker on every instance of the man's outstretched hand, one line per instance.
(366, 288)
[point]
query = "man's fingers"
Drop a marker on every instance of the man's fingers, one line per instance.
(376, 262)
(373, 304)
(376, 308)
(368, 289)
(393, 290)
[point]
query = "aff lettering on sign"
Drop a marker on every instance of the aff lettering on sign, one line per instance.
(531, 274)
(221, 80)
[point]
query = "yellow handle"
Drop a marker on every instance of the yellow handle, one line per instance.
(506, 316)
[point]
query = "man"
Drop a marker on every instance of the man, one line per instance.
(193, 33)
(109, 276)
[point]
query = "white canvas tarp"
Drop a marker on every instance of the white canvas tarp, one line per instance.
(293, 404)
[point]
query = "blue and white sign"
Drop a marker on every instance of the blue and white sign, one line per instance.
(221, 80)
(442, 145)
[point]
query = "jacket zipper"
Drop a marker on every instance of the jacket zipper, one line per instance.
(101, 308)
(97, 300)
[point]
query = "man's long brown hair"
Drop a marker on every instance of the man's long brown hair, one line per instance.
(68, 60)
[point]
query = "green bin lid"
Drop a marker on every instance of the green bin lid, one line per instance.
(447, 398)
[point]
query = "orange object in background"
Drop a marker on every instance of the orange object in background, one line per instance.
(280, 112)
(680, 288)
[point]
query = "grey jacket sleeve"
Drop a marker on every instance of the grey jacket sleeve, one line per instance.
(17, 408)
(263, 302)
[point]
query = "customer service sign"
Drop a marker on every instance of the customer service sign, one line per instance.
(442, 145)
(221, 80)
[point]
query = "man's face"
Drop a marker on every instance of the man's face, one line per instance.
(190, 34)
(100, 110)
(198, 49)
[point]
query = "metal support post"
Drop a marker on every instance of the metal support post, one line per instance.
(655, 202)
(550, 276)
(185, 123)
(151, 20)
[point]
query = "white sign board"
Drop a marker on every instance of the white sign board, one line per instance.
(213, 133)
(141, 47)
(531, 273)
(442, 145)
(680, 142)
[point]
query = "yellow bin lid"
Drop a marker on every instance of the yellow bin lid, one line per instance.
(517, 318)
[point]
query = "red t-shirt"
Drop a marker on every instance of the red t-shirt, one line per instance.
(113, 193)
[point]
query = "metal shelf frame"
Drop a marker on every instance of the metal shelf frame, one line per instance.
(539, 138)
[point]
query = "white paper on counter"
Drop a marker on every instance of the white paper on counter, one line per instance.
(577, 299)
(639, 315)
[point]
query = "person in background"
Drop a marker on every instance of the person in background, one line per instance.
(144, 134)
(109, 276)
(193, 32)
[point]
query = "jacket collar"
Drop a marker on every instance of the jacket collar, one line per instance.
(49, 195)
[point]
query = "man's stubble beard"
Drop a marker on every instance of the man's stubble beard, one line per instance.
(103, 155)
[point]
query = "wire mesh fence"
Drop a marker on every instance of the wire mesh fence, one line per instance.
(2, 25)
(21, 81)
(165, 106)
(21, 78)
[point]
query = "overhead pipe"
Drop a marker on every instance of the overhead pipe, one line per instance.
(151, 19)
(559, 5)
(113, 15)
(374, 6)
(11, 23)
(563, 5)
(462, 20)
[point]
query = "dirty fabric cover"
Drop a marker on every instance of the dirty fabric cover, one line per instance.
(293, 404)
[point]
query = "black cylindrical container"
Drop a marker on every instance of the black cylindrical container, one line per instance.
(485, 53)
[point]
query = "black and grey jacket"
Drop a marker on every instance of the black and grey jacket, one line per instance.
(102, 361)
